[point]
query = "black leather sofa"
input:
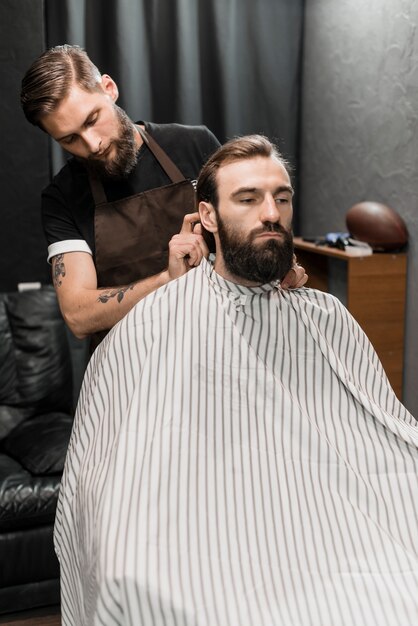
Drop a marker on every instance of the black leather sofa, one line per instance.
(36, 413)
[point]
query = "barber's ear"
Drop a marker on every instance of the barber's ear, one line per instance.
(208, 216)
(110, 87)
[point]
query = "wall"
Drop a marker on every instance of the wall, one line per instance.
(24, 156)
(359, 133)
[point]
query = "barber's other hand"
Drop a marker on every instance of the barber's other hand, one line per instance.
(295, 278)
(186, 249)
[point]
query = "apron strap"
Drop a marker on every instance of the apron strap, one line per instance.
(163, 159)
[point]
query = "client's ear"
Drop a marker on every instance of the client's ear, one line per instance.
(208, 217)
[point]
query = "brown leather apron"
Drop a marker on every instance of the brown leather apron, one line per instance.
(132, 234)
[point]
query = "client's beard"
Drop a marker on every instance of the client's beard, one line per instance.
(259, 263)
(126, 151)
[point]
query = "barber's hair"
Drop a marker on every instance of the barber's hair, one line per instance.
(237, 149)
(50, 77)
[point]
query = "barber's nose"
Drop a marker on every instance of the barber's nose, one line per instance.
(269, 210)
(92, 141)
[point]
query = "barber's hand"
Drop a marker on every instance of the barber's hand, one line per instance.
(295, 278)
(186, 249)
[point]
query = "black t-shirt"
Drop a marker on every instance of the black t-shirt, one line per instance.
(67, 203)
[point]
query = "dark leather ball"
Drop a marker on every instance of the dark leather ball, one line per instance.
(377, 224)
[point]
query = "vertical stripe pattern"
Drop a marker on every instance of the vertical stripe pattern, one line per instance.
(238, 458)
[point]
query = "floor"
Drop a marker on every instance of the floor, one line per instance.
(47, 616)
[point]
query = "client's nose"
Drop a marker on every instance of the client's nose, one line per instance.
(269, 210)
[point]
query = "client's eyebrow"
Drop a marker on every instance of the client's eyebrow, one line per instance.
(281, 189)
(242, 190)
(285, 188)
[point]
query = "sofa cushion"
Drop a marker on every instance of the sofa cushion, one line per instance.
(40, 444)
(8, 371)
(26, 501)
(26, 556)
(36, 369)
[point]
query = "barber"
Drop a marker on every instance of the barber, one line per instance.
(119, 217)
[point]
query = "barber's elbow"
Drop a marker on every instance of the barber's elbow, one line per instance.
(79, 334)
(76, 324)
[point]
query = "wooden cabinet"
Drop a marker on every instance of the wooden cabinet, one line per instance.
(372, 288)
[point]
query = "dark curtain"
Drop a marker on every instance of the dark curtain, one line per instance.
(24, 154)
(233, 65)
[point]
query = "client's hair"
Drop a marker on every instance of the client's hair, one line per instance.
(236, 149)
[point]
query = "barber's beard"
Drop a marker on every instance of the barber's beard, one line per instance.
(124, 147)
(260, 262)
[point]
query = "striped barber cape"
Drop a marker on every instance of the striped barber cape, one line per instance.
(238, 458)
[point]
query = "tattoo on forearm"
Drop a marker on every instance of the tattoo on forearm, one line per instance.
(114, 293)
(58, 269)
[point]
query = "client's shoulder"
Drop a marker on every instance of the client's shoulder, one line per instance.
(314, 298)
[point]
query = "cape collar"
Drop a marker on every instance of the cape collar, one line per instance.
(234, 290)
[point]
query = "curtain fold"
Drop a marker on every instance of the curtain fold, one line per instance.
(233, 65)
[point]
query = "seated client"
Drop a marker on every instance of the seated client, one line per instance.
(238, 456)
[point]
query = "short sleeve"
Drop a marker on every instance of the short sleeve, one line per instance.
(56, 216)
(68, 212)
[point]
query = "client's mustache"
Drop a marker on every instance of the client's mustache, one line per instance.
(270, 227)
